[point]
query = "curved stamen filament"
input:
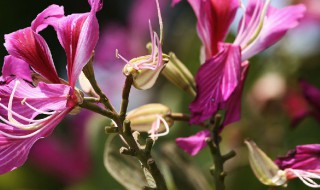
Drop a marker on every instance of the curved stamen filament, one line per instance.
(155, 127)
(10, 118)
(22, 117)
(43, 126)
(34, 124)
(21, 136)
(160, 21)
(35, 109)
(120, 56)
(306, 177)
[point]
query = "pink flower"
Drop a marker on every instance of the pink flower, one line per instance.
(221, 77)
(193, 144)
(33, 98)
(303, 162)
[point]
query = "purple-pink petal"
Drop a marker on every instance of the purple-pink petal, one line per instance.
(45, 97)
(216, 80)
(46, 17)
(233, 104)
(14, 151)
(303, 157)
(14, 67)
(214, 19)
(276, 23)
(29, 46)
(96, 5)
(193, 144)
(78, 35)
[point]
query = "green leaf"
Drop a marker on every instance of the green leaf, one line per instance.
(125, 169)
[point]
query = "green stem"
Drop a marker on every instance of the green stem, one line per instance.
(123, 126)
(125, 97)
(93, 107)
(89, 73)
(179, 117)
(144, 155)
(218, 159)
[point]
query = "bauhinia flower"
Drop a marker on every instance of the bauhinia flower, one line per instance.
(302, 163)
(33, 98)
(220, 78)
(146, 69)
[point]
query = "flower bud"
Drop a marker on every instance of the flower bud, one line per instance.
(264, 168)
(178, 74)
(144, 77)
(143, 118)
(146, 69)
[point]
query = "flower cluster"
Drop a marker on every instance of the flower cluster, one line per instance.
(33, 97)
(220, 78)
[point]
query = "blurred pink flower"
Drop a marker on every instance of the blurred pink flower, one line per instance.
(303, 103)
(67, 159)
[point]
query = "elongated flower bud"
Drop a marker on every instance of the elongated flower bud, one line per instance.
(146, 69)
(145, 77)
(264, 168)
(178, 74)
(151, 118)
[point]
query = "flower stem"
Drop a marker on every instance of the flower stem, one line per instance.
(143, 154)
(123, 125)
(179, 117)
(217, 169)
(93, 107)
(89, 73)
(125, 97)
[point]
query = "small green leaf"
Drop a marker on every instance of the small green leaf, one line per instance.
(125, 169)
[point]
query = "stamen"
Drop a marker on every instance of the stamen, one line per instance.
(306, 177)
(22, 136)
(20, 117)
(155, 127)
(10, 118)
(160, 21)
(34, 124)
(37, 110)
(120, 57)
(57, 117)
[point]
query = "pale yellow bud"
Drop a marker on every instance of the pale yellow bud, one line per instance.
(179, 75)
(264, 168)
(142, 118)
(145, 70)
